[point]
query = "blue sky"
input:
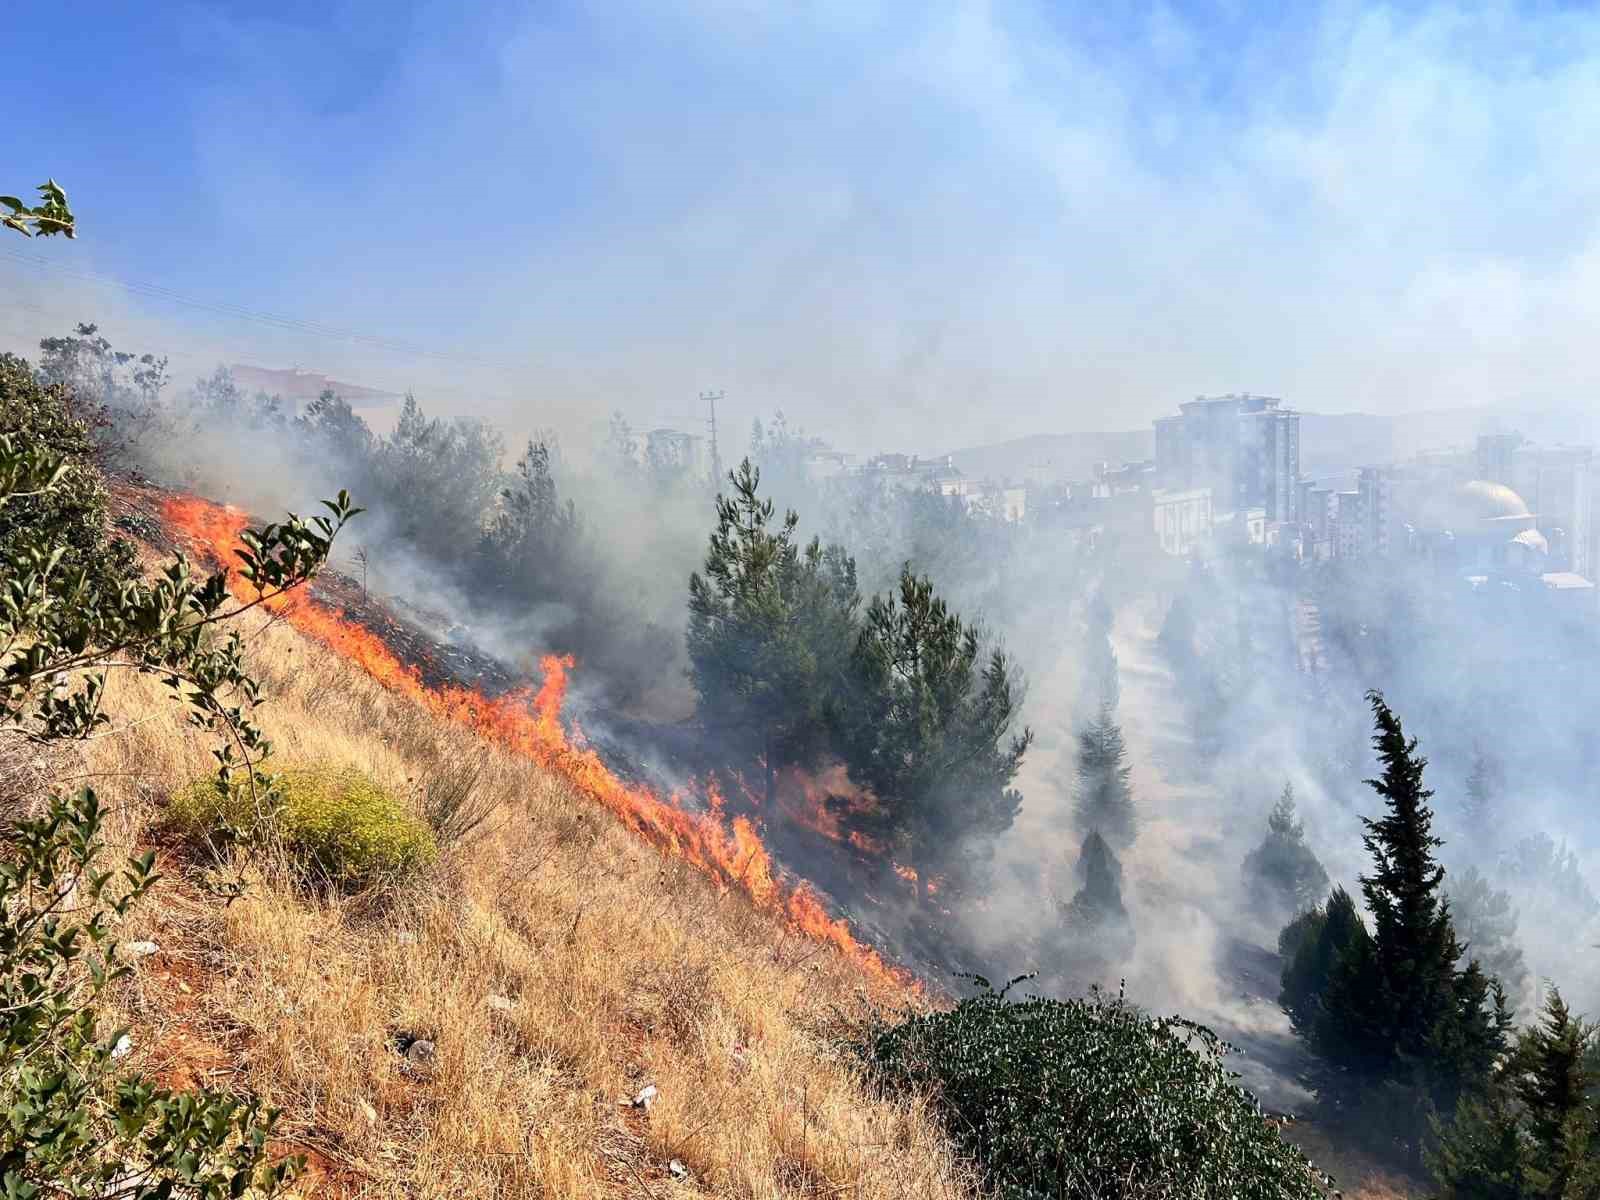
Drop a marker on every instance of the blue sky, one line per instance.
(913, 225)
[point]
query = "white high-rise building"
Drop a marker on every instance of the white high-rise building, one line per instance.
(1245, 449)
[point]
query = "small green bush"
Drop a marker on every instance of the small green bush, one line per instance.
(1091, 1098)
(337, 824)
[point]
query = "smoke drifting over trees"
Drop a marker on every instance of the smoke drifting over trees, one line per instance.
(879, 639)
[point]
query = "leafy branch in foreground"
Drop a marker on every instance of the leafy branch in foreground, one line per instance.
(74, 1122)
(61, 629)
(71, 1123)
(50, 216)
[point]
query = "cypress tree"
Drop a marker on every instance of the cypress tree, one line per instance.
(1283, 871)
(1099, 898)
(1098, 934)
(1415, 949)
(1105, 798)
(1403, 1012)
(1102, 689)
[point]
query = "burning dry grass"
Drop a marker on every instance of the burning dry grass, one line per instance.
(558, 964)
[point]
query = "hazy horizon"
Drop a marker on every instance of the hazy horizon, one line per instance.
(985, 220)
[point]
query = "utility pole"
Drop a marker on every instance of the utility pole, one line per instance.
(711, 399)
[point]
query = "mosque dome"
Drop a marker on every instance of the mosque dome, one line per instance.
(1532, 540)
(1479, 507)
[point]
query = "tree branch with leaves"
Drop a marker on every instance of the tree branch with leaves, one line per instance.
(48, 217)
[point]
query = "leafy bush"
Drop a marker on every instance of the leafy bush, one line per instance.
(337, 825)
(1092, 1098)
(71, 1124)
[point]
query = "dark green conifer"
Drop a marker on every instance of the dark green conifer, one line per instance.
(1398, 1015)
(1282, 871)
(1104, 797)
(1312, 946)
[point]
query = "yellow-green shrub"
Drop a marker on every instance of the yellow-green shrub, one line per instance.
(336, 823)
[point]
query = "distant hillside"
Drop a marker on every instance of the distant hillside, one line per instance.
(1330, 443)
(1046, 456)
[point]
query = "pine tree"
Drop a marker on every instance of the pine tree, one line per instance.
(928, 726)
(1531, 1136)
(1283, 871)
(1550, 1078)
(770, 630)
(1481, 1154)
(1105, 799)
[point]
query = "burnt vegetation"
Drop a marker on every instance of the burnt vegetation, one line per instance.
(856, 656)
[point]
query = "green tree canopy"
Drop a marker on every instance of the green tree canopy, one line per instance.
(44, 425)
(1533, 1135)
(770, 630)
(73, 1122)
(1486, 924)
(1312, 947)
(929, 724)
(1485, 788)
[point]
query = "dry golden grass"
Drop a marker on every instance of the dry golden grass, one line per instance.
(1357, 1175)
(622, 969)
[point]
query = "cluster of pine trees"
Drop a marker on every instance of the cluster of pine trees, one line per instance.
(509, 548)
(790, 668)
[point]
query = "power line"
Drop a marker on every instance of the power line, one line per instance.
(240, 312)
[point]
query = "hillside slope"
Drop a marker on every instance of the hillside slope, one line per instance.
(558, 964)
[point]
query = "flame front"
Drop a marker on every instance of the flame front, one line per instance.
(527, 723)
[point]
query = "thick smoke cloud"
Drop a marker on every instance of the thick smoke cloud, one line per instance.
(922, 229)
(909, 226)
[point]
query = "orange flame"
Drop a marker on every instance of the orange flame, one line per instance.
(528, 723)
(819, 802)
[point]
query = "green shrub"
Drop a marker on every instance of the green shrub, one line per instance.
(337, 824)
(1092, 1098)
